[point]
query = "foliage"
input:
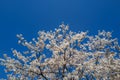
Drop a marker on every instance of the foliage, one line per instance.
(65, 55)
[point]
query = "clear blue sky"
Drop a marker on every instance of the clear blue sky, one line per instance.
(30, 16)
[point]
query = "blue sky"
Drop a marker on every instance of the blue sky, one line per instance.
(30, 16)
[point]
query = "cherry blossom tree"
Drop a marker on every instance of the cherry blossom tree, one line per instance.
(65, 55)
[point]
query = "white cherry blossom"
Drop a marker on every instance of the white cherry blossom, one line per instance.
(65, 55)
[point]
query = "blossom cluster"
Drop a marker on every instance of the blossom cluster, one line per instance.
(72, 56)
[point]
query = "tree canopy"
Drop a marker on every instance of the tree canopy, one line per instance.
(65, 55)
